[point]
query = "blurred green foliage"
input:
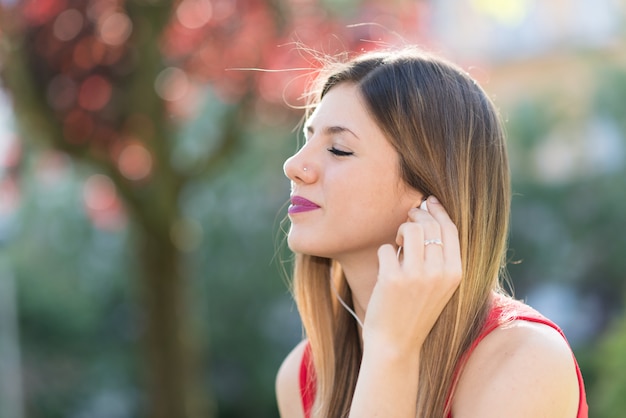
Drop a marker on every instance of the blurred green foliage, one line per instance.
(80, 325)
(569, 230)
(607, 395)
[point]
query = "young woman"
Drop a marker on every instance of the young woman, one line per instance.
(399, 214)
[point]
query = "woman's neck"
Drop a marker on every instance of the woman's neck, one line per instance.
(361, 273)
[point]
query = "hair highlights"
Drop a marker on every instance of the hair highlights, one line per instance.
(451, 144)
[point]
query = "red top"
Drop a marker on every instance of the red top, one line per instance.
(307, 381)
(503, 310)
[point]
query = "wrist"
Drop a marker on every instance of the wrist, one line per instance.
(390, 354)
(388, 381)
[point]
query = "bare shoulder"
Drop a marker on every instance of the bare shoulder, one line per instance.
(523, 369)
(288, 384)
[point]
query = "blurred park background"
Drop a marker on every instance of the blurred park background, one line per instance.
(142, 200)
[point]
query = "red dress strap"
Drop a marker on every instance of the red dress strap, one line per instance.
(307, 381)
(504, 310)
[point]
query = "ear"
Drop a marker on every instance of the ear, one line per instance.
(412, 196)
(420, 202)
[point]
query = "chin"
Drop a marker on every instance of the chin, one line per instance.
(298, 247)
(305, 246)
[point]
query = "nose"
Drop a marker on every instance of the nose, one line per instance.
(297, 169)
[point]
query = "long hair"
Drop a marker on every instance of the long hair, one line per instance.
(451, 145)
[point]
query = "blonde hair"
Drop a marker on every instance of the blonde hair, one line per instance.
(451, 145)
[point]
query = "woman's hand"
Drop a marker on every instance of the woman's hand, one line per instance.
(407, 299)
(413, 289)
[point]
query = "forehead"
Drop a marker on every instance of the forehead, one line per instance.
(341, 106)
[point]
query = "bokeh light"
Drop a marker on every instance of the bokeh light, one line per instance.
(94, 93)
(115, 28)
(68, 24)
(506, 12)
(135, 162)
(102, 203)
(172, 84)
(88, 53)
(38, 12)
(99, 192)
(194, 14)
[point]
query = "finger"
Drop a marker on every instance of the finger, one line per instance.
(432, 229)
(417, 257)
(431, 244)
(449, 233)
(412, 234)
(387, 261)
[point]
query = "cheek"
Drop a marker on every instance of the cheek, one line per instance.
(386, 196)
(380, 208)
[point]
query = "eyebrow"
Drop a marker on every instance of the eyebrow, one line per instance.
(332, 130)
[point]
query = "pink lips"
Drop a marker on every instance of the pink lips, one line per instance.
(300, 204)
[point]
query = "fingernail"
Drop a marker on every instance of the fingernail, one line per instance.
(433, 199)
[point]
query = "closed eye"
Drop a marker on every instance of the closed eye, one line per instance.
(339, 153)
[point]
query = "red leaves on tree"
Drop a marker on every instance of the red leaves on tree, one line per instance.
(82, 54)
(83, 50)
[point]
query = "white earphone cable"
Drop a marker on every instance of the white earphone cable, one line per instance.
(344, 304)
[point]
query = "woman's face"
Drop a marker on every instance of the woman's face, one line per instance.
(347, 195)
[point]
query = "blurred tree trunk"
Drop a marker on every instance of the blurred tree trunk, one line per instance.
(172, 368)
(172, 383)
